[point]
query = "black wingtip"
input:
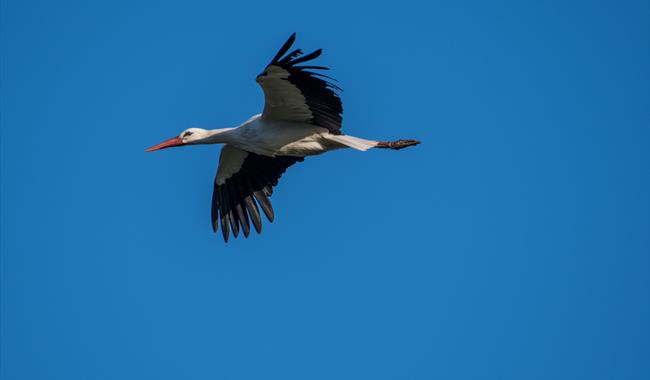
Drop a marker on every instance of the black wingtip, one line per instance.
(264, 202)
(313, 55)
(254, 213)
(285, 47)
(215, 223)
(224, 228)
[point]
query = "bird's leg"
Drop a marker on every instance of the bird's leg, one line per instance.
(397, 145)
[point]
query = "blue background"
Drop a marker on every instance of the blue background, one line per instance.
(512, 244)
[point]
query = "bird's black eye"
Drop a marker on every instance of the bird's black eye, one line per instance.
(188, 133)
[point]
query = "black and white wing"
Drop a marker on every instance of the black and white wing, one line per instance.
(245, 180)
(294, 93)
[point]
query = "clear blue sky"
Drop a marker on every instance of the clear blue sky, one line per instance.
(514, 243)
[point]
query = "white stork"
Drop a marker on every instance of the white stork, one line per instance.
(302, 117)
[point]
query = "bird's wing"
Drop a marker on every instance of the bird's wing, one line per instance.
(245, 180)
(294, 93)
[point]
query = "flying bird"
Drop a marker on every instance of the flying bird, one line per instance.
(302, 117)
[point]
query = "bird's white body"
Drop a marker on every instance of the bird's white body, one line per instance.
(278, 138)
(302, 117)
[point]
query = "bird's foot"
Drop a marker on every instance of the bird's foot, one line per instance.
(397, 145)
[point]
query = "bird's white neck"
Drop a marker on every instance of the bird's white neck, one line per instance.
(218, 136)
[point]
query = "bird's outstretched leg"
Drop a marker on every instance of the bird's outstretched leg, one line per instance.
(397, 145)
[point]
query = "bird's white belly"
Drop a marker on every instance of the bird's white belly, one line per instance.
(308, 146)
(283, 139)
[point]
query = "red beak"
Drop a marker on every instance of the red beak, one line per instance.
(174, 141)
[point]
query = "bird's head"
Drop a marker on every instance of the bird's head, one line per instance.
(187, 137)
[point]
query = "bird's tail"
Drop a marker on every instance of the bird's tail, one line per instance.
(353, 142)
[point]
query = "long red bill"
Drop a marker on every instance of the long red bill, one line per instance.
(174, 141)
